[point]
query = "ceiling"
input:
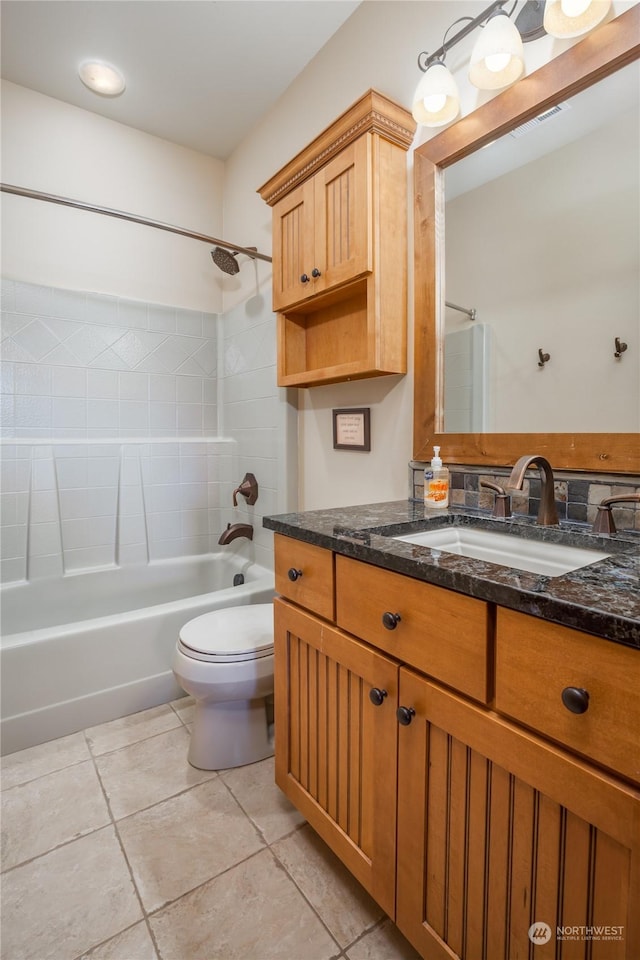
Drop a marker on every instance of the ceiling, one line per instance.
(200, 73)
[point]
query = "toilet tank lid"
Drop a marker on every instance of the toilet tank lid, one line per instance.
(231, 631)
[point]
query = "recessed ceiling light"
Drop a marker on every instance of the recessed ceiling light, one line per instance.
(102, 78)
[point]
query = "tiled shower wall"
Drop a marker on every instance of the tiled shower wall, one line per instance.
(110, 450)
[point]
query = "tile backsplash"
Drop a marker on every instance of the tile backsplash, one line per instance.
(577, 495)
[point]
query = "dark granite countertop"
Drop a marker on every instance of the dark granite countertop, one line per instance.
(602, 598)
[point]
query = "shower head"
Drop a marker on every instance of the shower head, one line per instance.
(225, 260)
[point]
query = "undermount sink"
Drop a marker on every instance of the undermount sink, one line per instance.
(534, 556)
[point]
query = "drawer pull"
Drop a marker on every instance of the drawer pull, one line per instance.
(376, 695)
(391, 620)
(294, 574)
(576, 699)
(405, 715)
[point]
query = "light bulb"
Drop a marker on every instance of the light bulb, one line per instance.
(574, 8)
(435, 102)
(497, 61)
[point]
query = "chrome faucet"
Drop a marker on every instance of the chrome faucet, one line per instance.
(547, 514)
(235, 530)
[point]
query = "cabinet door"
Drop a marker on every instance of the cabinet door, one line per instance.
(498, 831)
(335, 750)
(343, 217)
(293, 219)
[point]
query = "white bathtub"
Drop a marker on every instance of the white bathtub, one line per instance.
(89, 647)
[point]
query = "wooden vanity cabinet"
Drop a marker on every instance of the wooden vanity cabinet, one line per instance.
(340, 249)
(464, 825)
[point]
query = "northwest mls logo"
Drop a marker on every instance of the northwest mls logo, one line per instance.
(539, 933)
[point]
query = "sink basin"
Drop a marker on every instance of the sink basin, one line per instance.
(535, 556)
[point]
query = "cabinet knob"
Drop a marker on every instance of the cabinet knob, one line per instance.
(391, 620)
(315, 272)
(405, 715)
(294, 574)
(376, 695)
(305, 278)
(576, 699)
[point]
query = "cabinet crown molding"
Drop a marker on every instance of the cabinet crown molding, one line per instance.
(373, 112)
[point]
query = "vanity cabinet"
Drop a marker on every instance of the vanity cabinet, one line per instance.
(340, 249)
(452, 788)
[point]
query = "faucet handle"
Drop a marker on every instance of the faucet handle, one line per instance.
(502, 502)
(604, 522)
(248, 488)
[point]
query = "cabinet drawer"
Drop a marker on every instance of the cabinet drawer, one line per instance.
(441, 633)
(304, 574)
(536, 661)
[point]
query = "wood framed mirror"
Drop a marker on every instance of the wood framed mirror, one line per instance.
(600, 54)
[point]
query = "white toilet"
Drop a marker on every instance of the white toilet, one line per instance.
(224, 659)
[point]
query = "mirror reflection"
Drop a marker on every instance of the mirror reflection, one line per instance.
(542, 244)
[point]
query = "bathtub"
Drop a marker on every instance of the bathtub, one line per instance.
(93, 646)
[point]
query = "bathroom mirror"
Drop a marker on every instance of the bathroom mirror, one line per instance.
(598, 56)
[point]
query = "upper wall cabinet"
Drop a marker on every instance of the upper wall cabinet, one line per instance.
(340, 248)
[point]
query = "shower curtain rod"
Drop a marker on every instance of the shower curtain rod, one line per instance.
(120, 215)
(454, 306)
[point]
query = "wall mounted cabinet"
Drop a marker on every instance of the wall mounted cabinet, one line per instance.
(340, 248)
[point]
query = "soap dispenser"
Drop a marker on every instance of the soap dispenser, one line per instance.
(436, 482)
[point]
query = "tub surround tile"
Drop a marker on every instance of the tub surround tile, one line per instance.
(385, 941)
(255, 789)
(52, 810)
(252, 912)
(165, 844)
(34, 762)
(145, 773)
(132, 944)
(107, 737)
(69, 900)
(342, 903)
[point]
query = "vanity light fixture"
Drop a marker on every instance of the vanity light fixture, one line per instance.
(572, 18)
(436, 100)
(101, 78)
(497, 59)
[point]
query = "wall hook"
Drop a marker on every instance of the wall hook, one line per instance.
(544, 358)
(620, 348)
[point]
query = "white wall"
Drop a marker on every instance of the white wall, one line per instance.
(376, 47)
(56, 148)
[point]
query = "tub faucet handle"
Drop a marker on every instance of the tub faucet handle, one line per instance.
(248, 488)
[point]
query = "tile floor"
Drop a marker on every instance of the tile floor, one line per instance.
(114, 848)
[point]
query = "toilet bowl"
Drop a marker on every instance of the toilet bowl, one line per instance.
(224, 659)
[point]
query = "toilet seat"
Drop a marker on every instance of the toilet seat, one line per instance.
(230, 635)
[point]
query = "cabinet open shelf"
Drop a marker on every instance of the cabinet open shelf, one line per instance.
(313, 335)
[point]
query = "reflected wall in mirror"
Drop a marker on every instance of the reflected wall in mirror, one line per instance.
(542, 240)
(614, 444)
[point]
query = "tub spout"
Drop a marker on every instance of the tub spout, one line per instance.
(235, 530)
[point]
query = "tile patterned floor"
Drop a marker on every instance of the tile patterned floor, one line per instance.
(114, 848)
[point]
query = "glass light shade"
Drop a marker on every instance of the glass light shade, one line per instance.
(436, 100)
(497, 59)
(572, 18)
(101, 78)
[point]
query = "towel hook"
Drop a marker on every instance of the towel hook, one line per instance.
(544, 358)
(620, 348)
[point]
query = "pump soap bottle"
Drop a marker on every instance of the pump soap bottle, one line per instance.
(436, 483)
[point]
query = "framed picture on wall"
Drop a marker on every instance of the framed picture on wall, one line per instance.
(352, 429)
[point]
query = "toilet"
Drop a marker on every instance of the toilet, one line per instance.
(224, 659)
